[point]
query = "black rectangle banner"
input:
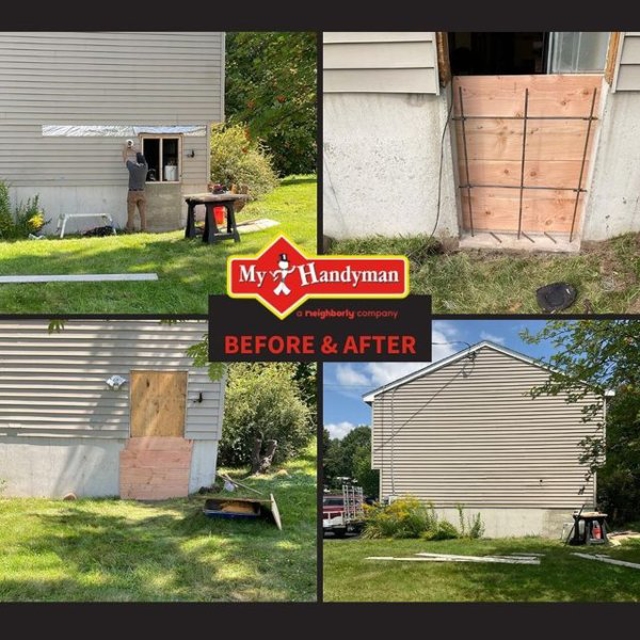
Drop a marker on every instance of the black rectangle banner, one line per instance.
(321, 330)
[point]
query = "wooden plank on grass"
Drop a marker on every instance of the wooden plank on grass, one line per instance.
(487, 559)
(608, 560)
(87, 277)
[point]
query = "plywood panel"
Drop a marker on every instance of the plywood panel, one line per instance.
(155, 468)
(549, 95)
(158, 401)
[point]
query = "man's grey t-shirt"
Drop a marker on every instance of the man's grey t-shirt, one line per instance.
(137, 174)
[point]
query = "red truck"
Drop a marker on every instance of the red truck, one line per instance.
(343, 513)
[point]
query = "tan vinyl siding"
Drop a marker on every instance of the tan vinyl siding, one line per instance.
(380, 62)
(143, 78)
(54, 384)
(628, 76)
(467, 433)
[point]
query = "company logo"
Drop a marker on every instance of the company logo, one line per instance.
(281, 277)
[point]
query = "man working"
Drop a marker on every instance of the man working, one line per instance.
(137, 179)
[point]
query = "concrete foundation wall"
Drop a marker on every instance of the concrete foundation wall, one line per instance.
(506, 523)
(53, 467)
(166, 209)
(381, 161)
(613, 207)
(204, 456)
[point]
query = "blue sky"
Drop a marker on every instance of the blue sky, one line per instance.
(346, 382)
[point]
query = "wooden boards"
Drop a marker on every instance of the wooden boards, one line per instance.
(158, 403)
(155, 468)
(489, 150)
(87, 277)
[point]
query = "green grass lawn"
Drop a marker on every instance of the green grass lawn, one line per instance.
(113, 550)
(560, 577)
(606, 275)
(188, 270)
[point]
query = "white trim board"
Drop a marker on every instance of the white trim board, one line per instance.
(87, 277)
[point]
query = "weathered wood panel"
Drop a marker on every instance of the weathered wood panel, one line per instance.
(158, 400)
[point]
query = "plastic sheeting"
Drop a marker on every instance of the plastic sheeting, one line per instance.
(117, 131)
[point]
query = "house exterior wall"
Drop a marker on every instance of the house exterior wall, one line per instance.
(62, 428)
(614, 202)
(101, 78)
(469, 434)
(383, 122)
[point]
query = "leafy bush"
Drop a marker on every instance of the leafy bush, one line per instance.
(473, 527)
(406, 517)
(443, 530)
(22, 220)
(235, 159)
(263, 401)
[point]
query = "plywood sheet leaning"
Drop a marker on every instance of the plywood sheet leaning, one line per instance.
(158, 403)
(489, 150)
(155, 468)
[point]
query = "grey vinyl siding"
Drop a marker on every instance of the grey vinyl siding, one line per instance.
(628, 78)
(124, 78)
(380, 62)
(468, 433)
(54, 384)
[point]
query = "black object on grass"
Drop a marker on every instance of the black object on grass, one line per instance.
(556, 296)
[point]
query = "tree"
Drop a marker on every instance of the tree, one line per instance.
(271, 87)
(265, 417)
(604, 354)
(350, 458)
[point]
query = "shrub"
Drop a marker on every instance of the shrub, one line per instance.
(237, 160)
(263, 401)
(442, 530)
(406, 517)
(473, 527)
(22, 220)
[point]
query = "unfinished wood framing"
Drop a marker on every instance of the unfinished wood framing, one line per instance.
(524, 148)
(158, 403)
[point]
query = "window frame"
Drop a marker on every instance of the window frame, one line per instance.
(162, 137)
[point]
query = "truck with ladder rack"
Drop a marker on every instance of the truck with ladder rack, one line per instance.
(343, 513)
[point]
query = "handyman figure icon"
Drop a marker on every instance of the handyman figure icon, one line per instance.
(282, 272)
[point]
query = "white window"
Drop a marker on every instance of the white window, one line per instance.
(163, 157)
(577, 51)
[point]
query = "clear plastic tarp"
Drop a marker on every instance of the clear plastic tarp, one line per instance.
(117, 131)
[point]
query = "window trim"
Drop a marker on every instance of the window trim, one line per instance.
(161, 138)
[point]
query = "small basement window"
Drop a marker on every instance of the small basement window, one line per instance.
(163, 157)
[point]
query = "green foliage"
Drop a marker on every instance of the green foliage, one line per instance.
(350, 457)
(20, 221)
(236, 159)
(263, 401)
(199, 352)
(406, 517)
(593, 356)
(443, 530)
(271, 86)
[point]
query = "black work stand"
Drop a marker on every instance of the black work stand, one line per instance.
(212, 233)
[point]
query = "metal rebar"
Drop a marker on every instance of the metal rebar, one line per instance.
(466, 160)
(524, 147)
(550, 238)
(517, 186)
(585, 118)
(495, 236)
(584, 157)
(528, 237)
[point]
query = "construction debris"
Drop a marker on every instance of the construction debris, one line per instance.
(608, 560)
(616, 538)
(437, 557)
